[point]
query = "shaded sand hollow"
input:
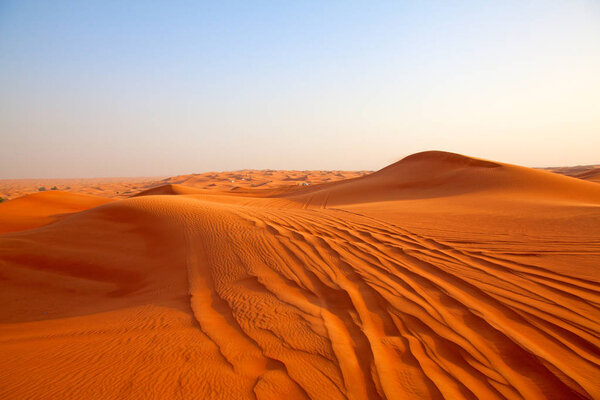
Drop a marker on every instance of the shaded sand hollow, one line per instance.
(440, 276)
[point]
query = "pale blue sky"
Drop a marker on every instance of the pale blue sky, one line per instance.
(118, 88)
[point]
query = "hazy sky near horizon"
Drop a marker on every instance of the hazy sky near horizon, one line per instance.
(158, 88)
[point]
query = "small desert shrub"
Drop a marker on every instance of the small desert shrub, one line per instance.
(53, 188)
(42, 189)
(1, 199)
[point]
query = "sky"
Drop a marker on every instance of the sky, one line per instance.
(159, 88)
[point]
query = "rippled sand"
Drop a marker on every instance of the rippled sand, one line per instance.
(440, 276)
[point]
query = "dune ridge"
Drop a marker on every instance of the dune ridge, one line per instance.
(436, 174)
(440, 276)
(42, 208)
(121, 188)
(587, 172)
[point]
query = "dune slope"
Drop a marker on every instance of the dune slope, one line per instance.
(42, 208)
(436, 174)
(587, 172)
(360, 289)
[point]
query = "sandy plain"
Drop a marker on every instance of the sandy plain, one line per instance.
(439, 276)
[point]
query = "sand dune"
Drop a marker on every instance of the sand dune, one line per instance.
(439, 174)
(440, 276)
(122, 188)
(586, 172)
(105, 187)
(38, 209)
(170, 189)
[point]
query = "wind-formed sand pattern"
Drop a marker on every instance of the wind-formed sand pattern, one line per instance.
(440, 276)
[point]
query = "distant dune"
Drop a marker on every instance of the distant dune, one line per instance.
(439, 276)
(436, 174)
(126, 187)
(586, 172)
(105, 187)
(122, 188)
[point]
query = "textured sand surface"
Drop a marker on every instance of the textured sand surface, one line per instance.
(440, 276)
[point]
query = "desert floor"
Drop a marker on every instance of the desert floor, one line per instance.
(439, 276)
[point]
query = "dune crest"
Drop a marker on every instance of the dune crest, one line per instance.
(587, 172)
(436, 156)
(170, 188)
(43, 208)
(438, 174)
(365, 288)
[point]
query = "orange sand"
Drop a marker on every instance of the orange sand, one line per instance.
(440, 276)
(587, 172)
(126, 187)
(105, 187)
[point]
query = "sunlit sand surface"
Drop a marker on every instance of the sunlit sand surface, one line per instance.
(126, 187)
(440, 276)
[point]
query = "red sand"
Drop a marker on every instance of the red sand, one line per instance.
(440, 276)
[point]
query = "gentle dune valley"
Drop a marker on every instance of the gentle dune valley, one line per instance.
(441, 276)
